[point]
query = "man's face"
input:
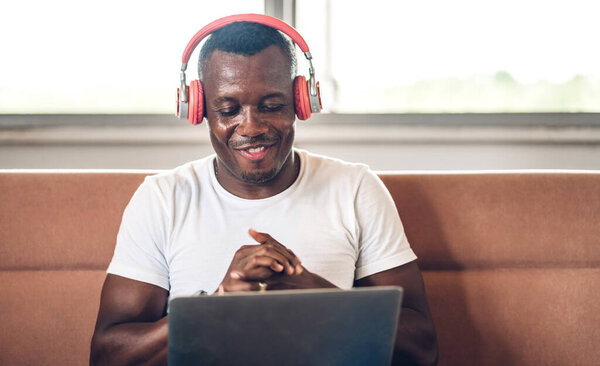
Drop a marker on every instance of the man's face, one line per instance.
(250, 112)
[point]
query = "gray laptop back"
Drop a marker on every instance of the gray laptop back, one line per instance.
(299, 327)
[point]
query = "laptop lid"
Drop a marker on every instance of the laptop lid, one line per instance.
(295, 327)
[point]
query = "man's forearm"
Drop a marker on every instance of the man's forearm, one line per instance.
(131, 343)
(415, 340)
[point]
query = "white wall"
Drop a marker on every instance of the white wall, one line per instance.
(382, 144)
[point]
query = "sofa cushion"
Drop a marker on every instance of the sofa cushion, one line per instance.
(48, 317)
(516, 316)
(57, 220)
(500, 220)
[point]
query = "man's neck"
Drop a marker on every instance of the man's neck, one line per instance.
(283, 180)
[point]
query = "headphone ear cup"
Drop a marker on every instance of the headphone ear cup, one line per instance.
(196, 103)
(301, 98)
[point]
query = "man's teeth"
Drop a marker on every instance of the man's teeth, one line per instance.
(254, 150)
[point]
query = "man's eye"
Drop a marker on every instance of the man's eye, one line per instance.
(272, 107)
(228, 112)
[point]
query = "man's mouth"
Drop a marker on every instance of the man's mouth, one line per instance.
(254, 152)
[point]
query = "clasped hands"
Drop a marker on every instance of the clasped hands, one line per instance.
(268, 262)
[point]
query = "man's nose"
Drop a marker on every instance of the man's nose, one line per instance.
(251, 123)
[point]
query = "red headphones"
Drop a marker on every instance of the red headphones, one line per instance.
(190, 100)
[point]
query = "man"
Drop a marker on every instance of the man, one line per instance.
(258, 215)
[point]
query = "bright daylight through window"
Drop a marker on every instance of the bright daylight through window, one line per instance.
(71, 56)
(456, 56)
(373, 56)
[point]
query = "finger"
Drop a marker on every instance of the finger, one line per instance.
(236, 286)
(258, 236)
(255, 274)
(299, 268)
(282, 256)
(271, 260)
(245, 251)
(236, 275)
(245, 257)
(265, 238)
(271, 247)
(276, 253)
(293, 260)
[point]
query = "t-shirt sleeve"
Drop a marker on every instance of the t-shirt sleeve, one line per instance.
(382, 242)
(139, 252)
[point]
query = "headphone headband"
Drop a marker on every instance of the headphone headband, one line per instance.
(254, 18)
(190, 102)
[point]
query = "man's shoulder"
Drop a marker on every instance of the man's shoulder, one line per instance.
(184, 177)
(325, 162)
(332, 169)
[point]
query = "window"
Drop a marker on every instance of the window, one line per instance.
(442, 56)
(376, 56)
(69, 56)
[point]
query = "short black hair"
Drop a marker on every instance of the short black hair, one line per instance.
(246, 38)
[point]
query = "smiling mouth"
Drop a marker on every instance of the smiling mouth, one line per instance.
(254, 152)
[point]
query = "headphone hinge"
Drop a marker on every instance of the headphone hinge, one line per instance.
(312, 81)
(182, 88)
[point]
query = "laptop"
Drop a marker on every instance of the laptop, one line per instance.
(291, 327)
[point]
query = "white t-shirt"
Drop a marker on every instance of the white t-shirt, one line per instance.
(181, 228)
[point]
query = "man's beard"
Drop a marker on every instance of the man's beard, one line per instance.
(259, 177)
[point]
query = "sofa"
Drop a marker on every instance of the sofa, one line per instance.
(511, 261)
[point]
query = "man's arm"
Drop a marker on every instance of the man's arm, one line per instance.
(416, 342)
(132, 325)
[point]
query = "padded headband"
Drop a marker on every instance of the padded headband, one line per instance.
(254, 18)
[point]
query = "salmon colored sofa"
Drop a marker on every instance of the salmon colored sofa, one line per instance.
(511, 262)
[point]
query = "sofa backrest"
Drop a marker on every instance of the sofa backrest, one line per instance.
(511, 261)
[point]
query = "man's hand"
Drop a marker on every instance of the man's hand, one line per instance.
(252, 264)
(305, 280)
(269, 262)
